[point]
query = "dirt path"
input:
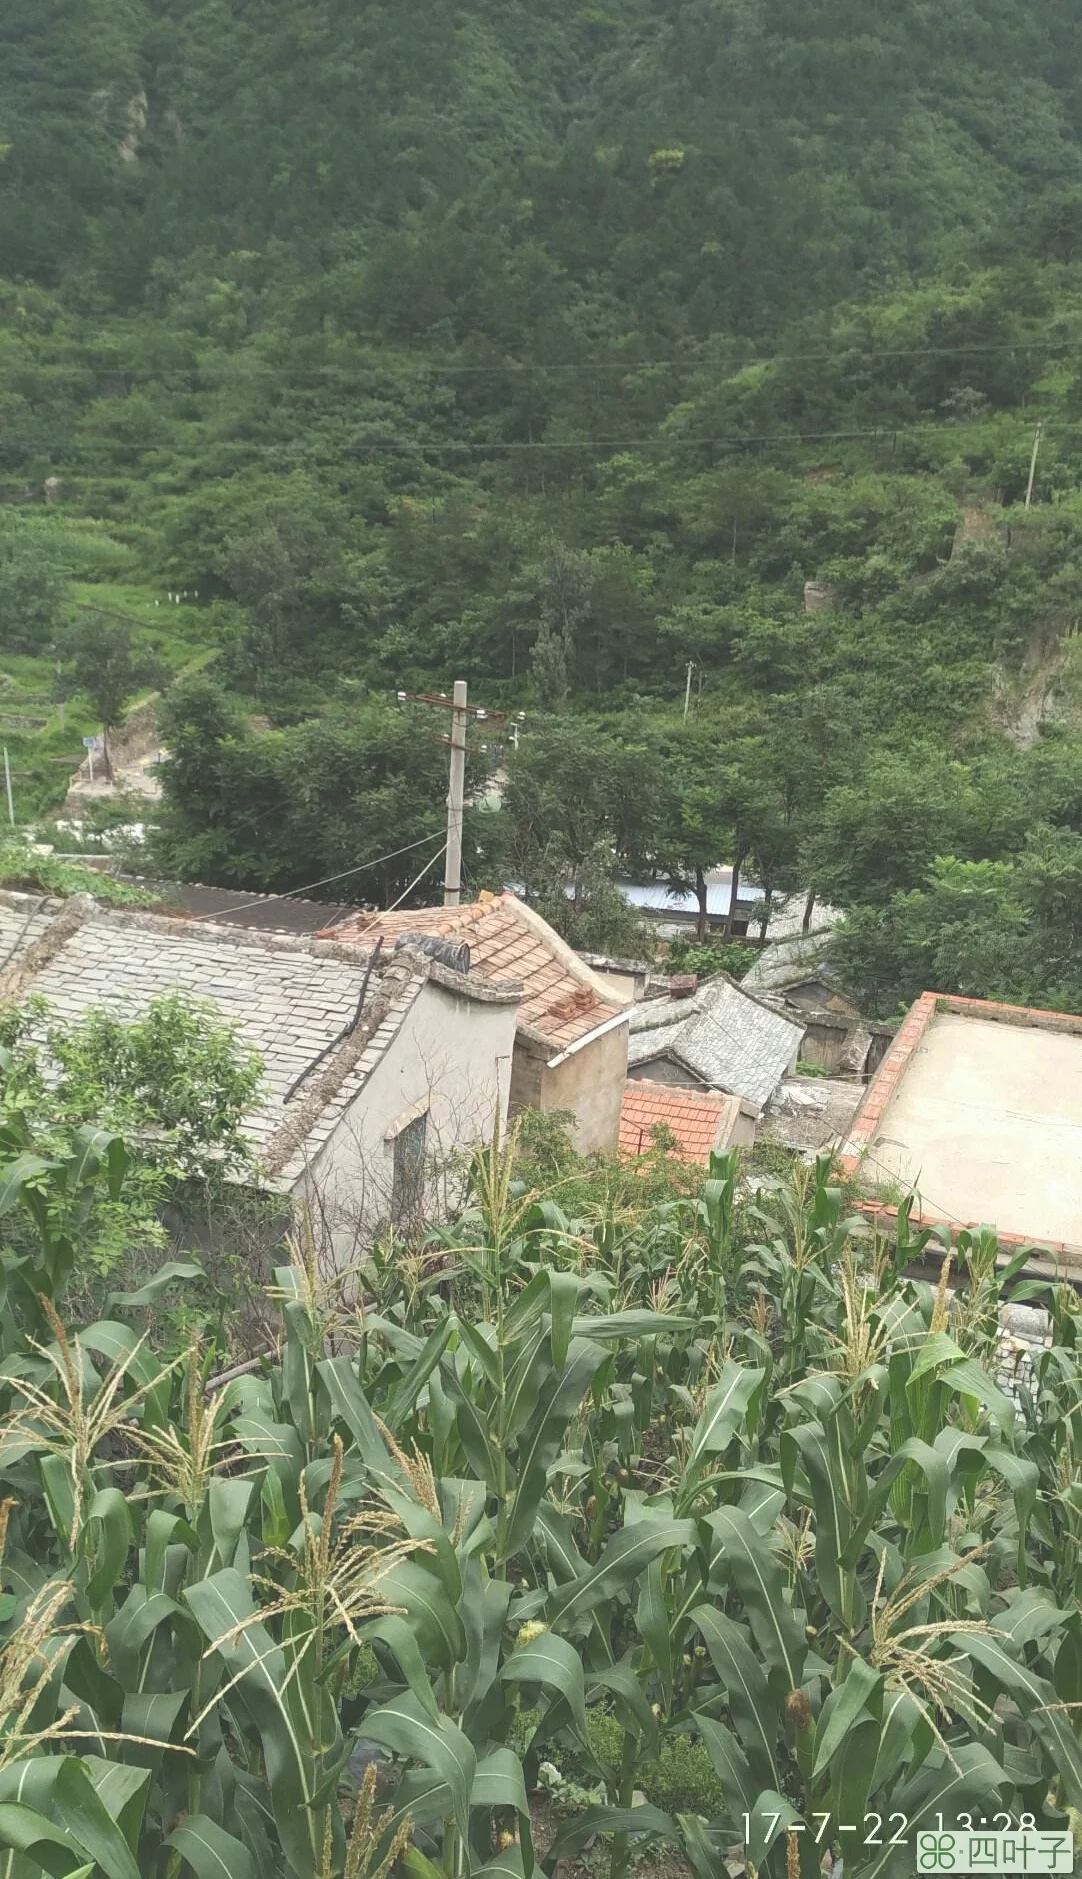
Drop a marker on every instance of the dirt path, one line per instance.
(134, 750)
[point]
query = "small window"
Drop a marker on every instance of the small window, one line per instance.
(408, 1183)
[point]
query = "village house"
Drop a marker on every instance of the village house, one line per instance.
(714, 1037)
(675, 911)
(977, 1107)
(629, 978)
(571, 1040)
(794, 974)
(693, 1124)
(377, 1072)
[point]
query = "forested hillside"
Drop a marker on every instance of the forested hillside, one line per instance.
(559, 348)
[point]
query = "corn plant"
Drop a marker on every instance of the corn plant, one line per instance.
(722, 1473)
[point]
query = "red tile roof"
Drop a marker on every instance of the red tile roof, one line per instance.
(694, 1116)
(562, 999)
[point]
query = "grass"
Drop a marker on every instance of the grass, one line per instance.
(176, 634)
(680, 1781)
(44, 737)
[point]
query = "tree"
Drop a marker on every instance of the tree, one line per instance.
(963, 931)
(718, 798)
(358, 793)
(285, 567)
(103, 664)
(694, 836)
(594, 916)
(809, 743)
(577, 786)
(1007, 930)
(33, 585)
(1049, 876)
(565, 583)
(176, 1082)
(881, 834)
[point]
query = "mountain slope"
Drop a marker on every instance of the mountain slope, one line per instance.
(685, 168)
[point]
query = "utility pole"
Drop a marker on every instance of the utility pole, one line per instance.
(687, 689)
(7, 783)
(1033, 465)
(452, 877)
(461, 712)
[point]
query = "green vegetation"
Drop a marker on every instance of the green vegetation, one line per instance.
(672, 374)
(694, 1501)
(155, 1106)
(560, 355)
(336, 793)
(709, 957)
(23, 866)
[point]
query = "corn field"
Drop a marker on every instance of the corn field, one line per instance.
(716, 1471)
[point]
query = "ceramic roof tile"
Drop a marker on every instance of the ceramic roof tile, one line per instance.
(561, 1001)
(729, 1040)
(286, 1002)
(694, 1117)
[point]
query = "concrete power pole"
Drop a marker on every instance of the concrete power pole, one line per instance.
(1033, 466)
(452, 890)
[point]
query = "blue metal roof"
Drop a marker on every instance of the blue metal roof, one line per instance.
(655, 897)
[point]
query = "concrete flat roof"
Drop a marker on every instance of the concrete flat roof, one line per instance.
(978, 1109)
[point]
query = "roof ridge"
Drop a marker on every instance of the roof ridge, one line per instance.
(147, 920)
(21, 969)
(710, 1099)
(757, 1000)
(441, 919)
(566, 955)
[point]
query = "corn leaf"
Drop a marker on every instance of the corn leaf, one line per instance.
(574, 1834)
(755, 1571)
(407, 1729)
(556, 1665)
(726, 1407)
(751, 1705)
(210, 1851)
(293, 1746)
(26, 1831)
(625, 1557)
(1037, 1700)
(970, 1781)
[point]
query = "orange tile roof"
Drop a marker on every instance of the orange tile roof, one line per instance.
(560, 1001)
(694, 1116)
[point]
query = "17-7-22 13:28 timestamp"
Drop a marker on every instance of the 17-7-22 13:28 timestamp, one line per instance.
(971, 1843)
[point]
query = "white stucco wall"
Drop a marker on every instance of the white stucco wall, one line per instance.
(590, 1083)
(450, 1057)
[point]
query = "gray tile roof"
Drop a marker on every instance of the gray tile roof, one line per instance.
(267, 913)
(288, 997)
(790, 961)
(23, 919)
(728, 1040)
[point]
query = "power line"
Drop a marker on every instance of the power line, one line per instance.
(291, 893)
(418, 878)
(843, 350)
(731, 439)
(1055, 348)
